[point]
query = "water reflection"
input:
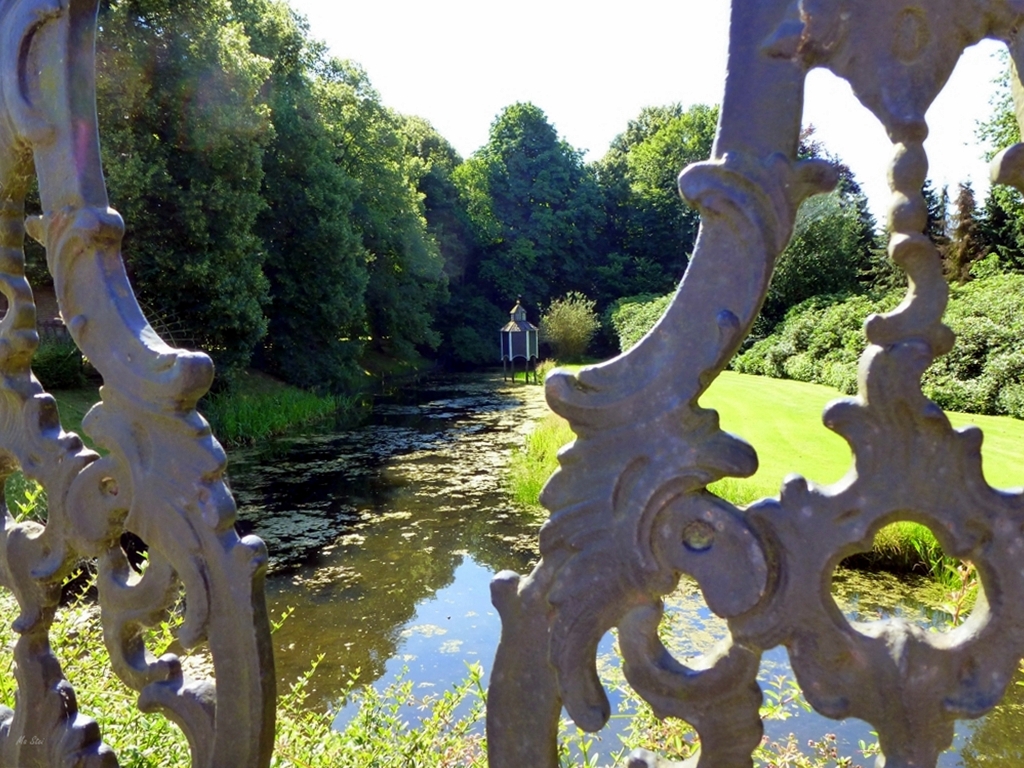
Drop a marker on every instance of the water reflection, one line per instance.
(365, 524)
(384, 538)
(455, 627)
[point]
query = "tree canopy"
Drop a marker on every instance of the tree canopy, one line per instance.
(538, 230)
(273, 216)
(281, 215)
(650, 232)
(184, 135)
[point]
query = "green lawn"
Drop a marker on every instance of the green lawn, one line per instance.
(73, 404)
(782, 420)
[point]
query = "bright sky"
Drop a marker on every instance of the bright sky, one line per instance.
(457, 63)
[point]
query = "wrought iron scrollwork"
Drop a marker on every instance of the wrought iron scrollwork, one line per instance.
(162, 476)
(630, 509)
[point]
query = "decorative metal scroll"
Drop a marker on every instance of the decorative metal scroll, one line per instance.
(162, 476)
(630, 509)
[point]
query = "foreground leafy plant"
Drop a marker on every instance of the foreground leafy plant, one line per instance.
(140, 740)
(787, 754)
(380, 735)
(26, 499)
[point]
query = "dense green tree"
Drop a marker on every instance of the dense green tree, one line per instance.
(406, 281)
(257, 175)
(528, 220)
(834, 248)
(826, 255)
(535, 209)
(966, 244)
(847, 188)
(937, 226)
(184, 133)
(654, 167)
(650, 231)
(1002, 227)
(1001, 129)
(1001, 224)
(350, 256)
(432, 164)
(316, 262)
(475, 310)
(467, 322)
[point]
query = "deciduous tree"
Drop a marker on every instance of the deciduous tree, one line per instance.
(535, 208)
(833, 249)
(650, 231)
(184, 132)
(406, 282)
(316, 263)
(1002, 222)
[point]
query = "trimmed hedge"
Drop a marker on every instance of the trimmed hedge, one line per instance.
(821, 339)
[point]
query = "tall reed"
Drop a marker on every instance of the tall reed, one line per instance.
(238, 418)
(532, 465)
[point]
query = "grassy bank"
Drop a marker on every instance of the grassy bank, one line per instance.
(530, 468)
(782, 420)
(258, 406)
(255, 408)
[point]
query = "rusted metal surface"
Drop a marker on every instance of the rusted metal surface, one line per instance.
(162, 477)
(630, 509)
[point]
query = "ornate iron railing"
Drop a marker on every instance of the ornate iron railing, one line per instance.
(161, 477)
(630, 506)
(630, 509)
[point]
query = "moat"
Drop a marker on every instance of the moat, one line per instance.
(384, 538)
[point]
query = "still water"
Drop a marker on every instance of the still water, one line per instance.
(384, 538)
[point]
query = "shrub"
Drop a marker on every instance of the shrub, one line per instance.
(1011, 400)
(988, 266)
(821, 339)
(985, 370)
(569, 325)
(58, 365)
(632, 317)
